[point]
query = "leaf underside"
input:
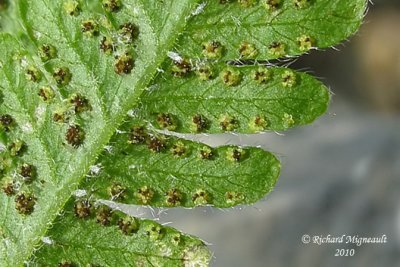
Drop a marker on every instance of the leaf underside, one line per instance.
(86, 87)
(109, 238)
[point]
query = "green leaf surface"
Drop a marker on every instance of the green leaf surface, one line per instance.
(273, 28)
(54, 150)
(165, 171)
(109, 238)
(8, 21)
(264, 98)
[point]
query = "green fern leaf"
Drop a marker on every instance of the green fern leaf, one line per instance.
(71, 71)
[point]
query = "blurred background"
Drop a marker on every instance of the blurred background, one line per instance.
(340, 175)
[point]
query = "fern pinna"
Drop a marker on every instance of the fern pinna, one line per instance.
(91, 90)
